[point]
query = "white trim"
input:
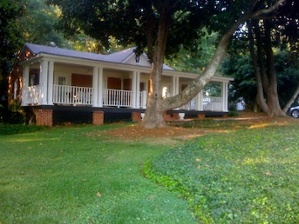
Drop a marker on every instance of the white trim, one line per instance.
(25, 85)
(101, 87)
(43, 82)
(95, 86)
(50, 83)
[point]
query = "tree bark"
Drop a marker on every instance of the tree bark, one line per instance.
(291, 101)
(263, 64)
(154, 113)
(256, 62)
(272, 95)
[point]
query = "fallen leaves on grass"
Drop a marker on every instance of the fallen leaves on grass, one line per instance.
(136, 132)
(176, 132)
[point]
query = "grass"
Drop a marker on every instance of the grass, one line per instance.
(67, 175)
(239, 172)
(241, 176)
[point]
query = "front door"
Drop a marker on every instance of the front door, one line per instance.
(114, 83)
(81, 80)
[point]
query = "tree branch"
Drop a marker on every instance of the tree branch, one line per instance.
(197, 84)
(273, 8)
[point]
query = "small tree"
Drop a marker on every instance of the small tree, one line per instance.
(160, 26)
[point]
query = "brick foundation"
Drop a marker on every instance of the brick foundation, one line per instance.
(98, 117)
(136, 116)
(167, 117)
(44, 117)
(201, 116)
(176, 116)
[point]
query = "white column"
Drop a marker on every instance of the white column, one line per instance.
(137, 89)
(43, 82)
(100, 87)
(134, 90)
(25, 85)
(225, 96)
(175, 85)
(200, 101)
(95, 87)
(50, 83)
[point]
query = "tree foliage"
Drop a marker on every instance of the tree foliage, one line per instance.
(268, 38)
(244, 85)
(194, 58)
(10, 10)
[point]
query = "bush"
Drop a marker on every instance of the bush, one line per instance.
(11, 117)
(233, 113)
(10, 129)
(14, 118)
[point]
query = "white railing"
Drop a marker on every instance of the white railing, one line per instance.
(33, 95)
(213, 103)
(191, 105)
(75, 95)
(117, 98)
(72, 95)
(142, 99)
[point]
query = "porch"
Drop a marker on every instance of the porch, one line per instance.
(83, 96)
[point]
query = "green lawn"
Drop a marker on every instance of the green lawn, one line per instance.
(241, 176)
(236, 173)
(67, 175)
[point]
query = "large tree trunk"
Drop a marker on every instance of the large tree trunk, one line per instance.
(260, 98)
(272, 95)
(263, 64)
(154, 112)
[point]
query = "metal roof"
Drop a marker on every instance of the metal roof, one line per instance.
(117, 57)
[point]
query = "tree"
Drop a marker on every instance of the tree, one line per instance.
(194, 58)
(158, 26)
(266, 33)
(10, 10)
(239, 66)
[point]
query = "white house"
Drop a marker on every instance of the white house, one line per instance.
(46, 79)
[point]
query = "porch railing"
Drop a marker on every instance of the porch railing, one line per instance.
(213, 103)
(118, 98)
(191, 105)
(33, 95)
(142, 99)
(72, 95)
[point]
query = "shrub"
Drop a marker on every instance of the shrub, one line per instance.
(9, 129)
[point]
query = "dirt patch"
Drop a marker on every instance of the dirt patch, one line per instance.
(137, 132)
(248, 119)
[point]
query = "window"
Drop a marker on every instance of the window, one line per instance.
(61, 80)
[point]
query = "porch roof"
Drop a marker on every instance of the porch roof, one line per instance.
(117, 57)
